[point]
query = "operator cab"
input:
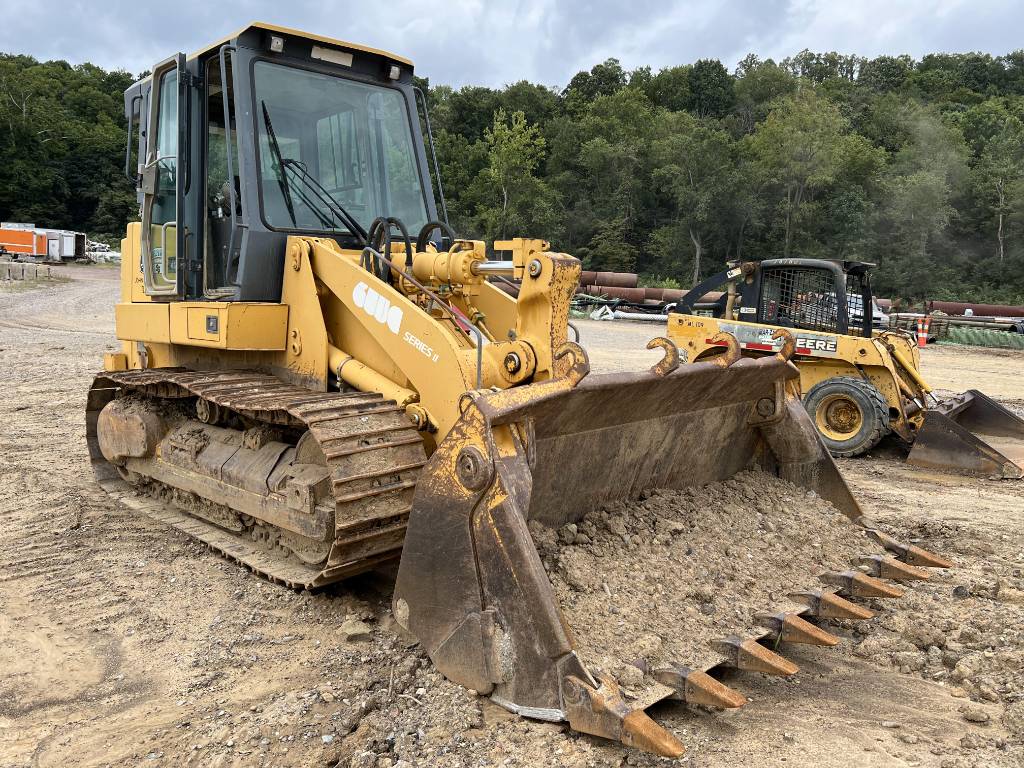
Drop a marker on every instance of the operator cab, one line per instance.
(267, 134)
(804, 294)
(816, 295)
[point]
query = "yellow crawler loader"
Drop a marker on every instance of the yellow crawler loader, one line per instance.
(318, 377)
(860, 380)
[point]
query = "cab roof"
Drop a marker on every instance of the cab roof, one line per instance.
(262, 25)
(855, 267)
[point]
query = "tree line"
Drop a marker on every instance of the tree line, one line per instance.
(62, 139)
(915, 165)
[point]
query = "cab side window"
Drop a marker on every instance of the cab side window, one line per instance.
(161, 268)
(220, 266)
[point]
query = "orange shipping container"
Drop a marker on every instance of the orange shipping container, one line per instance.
(28, 242)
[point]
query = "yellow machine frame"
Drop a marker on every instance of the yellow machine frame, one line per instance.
(298, 339)
(890, 360)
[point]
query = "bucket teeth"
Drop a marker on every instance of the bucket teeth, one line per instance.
(695, 687)
(861, 585)
(890, 568)
(827, 605)
(602, 711)
(640, 732)
(925, 559)
(911, 554)
(751, 656)
(790, 628)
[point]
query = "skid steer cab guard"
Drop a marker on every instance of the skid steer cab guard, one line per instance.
(471, 585)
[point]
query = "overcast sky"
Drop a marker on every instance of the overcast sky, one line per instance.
(491, 43)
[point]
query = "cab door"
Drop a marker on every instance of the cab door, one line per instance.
(163, 179)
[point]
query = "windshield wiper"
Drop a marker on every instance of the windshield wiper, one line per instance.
(319, 191)
(327, 222)
(282, 178)
(326, 197)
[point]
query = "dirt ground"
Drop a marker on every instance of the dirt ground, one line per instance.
(123, 643)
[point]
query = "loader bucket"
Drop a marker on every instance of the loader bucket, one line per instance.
(473, 588)
(973, 434)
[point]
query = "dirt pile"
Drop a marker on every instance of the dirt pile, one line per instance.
(646, 583)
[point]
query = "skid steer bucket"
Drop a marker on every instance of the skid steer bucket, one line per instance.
(971, 433)
(474, 589)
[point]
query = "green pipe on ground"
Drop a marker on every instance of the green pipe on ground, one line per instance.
(983, 337)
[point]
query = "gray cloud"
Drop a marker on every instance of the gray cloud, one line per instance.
(492, 43)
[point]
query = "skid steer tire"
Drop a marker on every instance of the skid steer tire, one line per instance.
(850, 414)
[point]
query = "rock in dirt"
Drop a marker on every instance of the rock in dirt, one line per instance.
(1013, 718)
(974, 714)
(1010, 595)
(354, 630)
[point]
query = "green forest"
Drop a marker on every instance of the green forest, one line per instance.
(915, 165)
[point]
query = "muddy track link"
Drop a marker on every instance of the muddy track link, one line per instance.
(374, 456)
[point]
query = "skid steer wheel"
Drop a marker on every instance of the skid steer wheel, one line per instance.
(850, 415)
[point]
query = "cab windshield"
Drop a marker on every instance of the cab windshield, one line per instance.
(324, 134)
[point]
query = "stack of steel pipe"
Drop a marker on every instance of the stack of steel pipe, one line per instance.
(609, 279)
(632, 295)
(621, 286)
(664, 295)
(959, 308)
(612, 285)
(940, 324)
(512, 289)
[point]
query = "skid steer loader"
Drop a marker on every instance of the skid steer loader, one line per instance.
(860, 380)
(317, 377)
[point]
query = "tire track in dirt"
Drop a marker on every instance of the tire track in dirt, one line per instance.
(61, 653)
(51, 328)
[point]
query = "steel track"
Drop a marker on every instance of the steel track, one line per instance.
(374, 456)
